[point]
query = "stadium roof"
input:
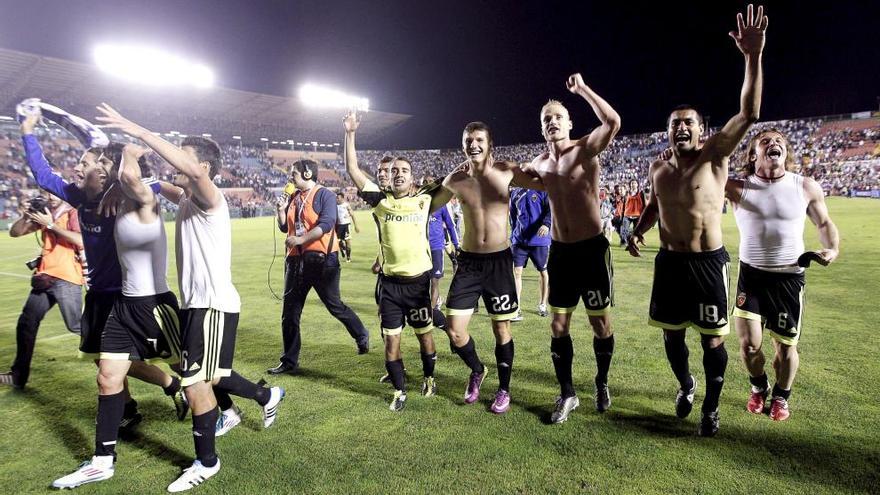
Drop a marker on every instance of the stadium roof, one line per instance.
(223, 112)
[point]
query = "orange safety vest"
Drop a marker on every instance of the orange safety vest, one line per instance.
(634, 205)
(61, 258)
(302, 206)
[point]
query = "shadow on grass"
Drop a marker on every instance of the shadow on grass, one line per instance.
(836, 464)
(47, 410)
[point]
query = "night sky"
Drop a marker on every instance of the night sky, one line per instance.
(448, 63)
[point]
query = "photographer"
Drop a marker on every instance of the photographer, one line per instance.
(57, 279)
(308, 218)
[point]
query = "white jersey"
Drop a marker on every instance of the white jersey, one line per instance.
(204, 258)
(143, 255)
(343, 214)
(770, 217)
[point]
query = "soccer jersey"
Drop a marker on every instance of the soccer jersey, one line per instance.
(402, 223)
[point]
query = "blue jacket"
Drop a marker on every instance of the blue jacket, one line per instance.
(104, 273)
(441, 220)
(529, 210)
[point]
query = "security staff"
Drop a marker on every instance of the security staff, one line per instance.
(309, 218)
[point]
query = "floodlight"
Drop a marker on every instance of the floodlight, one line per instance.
(264, 140)
(236, 138)
(151, 66)
(4, 117)
(317, 96)
(206, 135)
(299, 144)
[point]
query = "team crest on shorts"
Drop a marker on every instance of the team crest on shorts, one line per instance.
(741, 299)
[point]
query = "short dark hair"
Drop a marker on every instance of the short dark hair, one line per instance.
(340, 193)
(479, 126)
(310, 165)
(207, 150)
(686, 106)
(386, 159)
(113, 152)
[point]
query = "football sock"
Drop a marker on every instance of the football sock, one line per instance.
(110, 410)
(714, 363)
(677, 353)
(203, 435)
(562, 353)
(173, 388)
(760, 382)
(504, 360)
(468, 354)
(604, 349)
(428, 361)
(781, 392)
(236, 384)
(395, 371)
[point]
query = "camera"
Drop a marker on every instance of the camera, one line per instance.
(34, 263)
(38, 204)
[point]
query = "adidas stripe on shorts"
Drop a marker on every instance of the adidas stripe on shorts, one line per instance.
(208, 344)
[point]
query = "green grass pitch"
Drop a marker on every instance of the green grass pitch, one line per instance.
(335, 433)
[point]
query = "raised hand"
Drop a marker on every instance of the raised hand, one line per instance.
(352, 120)
(114, 120)
(665, 155)
(575, 83)
(29, 123)
(749, 36)
(134, 151)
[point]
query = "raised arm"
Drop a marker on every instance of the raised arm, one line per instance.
(818, 213)
(596, 141)
(749, 38)
(206, 194)
(351, 122)
(44, 175)
(130, 177)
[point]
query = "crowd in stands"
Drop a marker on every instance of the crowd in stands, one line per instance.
(842, 155)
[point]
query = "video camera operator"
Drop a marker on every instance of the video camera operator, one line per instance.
(57, 279)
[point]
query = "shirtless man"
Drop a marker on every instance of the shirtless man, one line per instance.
(580, 257)
(691, 269)
(770, 206)
(485, 266)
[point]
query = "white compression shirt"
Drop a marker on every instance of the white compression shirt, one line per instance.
(343, 214)
(204, 258)
(770, 217)
(143, 255)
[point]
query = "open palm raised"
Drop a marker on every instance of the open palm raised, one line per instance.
(749, 36)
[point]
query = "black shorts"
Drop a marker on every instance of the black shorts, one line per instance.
(484, 274)
(581, 271)
(342, 232)
(208, 344)
(96, 310)
(690, 290)
(775, 299)
(144, 328)
(437, 263)
(405, 301)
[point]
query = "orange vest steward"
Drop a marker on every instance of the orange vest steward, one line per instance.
(309, 219)
(60, 258)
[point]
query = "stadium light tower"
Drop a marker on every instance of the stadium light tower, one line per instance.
(319, 96)
(151, 66)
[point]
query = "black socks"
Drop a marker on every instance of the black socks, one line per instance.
(504, 359)
(562, 353)
(110, 410)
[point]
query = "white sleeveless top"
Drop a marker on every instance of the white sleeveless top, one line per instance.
(143, 255)
(204, 258)
(770, 217)
(343, 214)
